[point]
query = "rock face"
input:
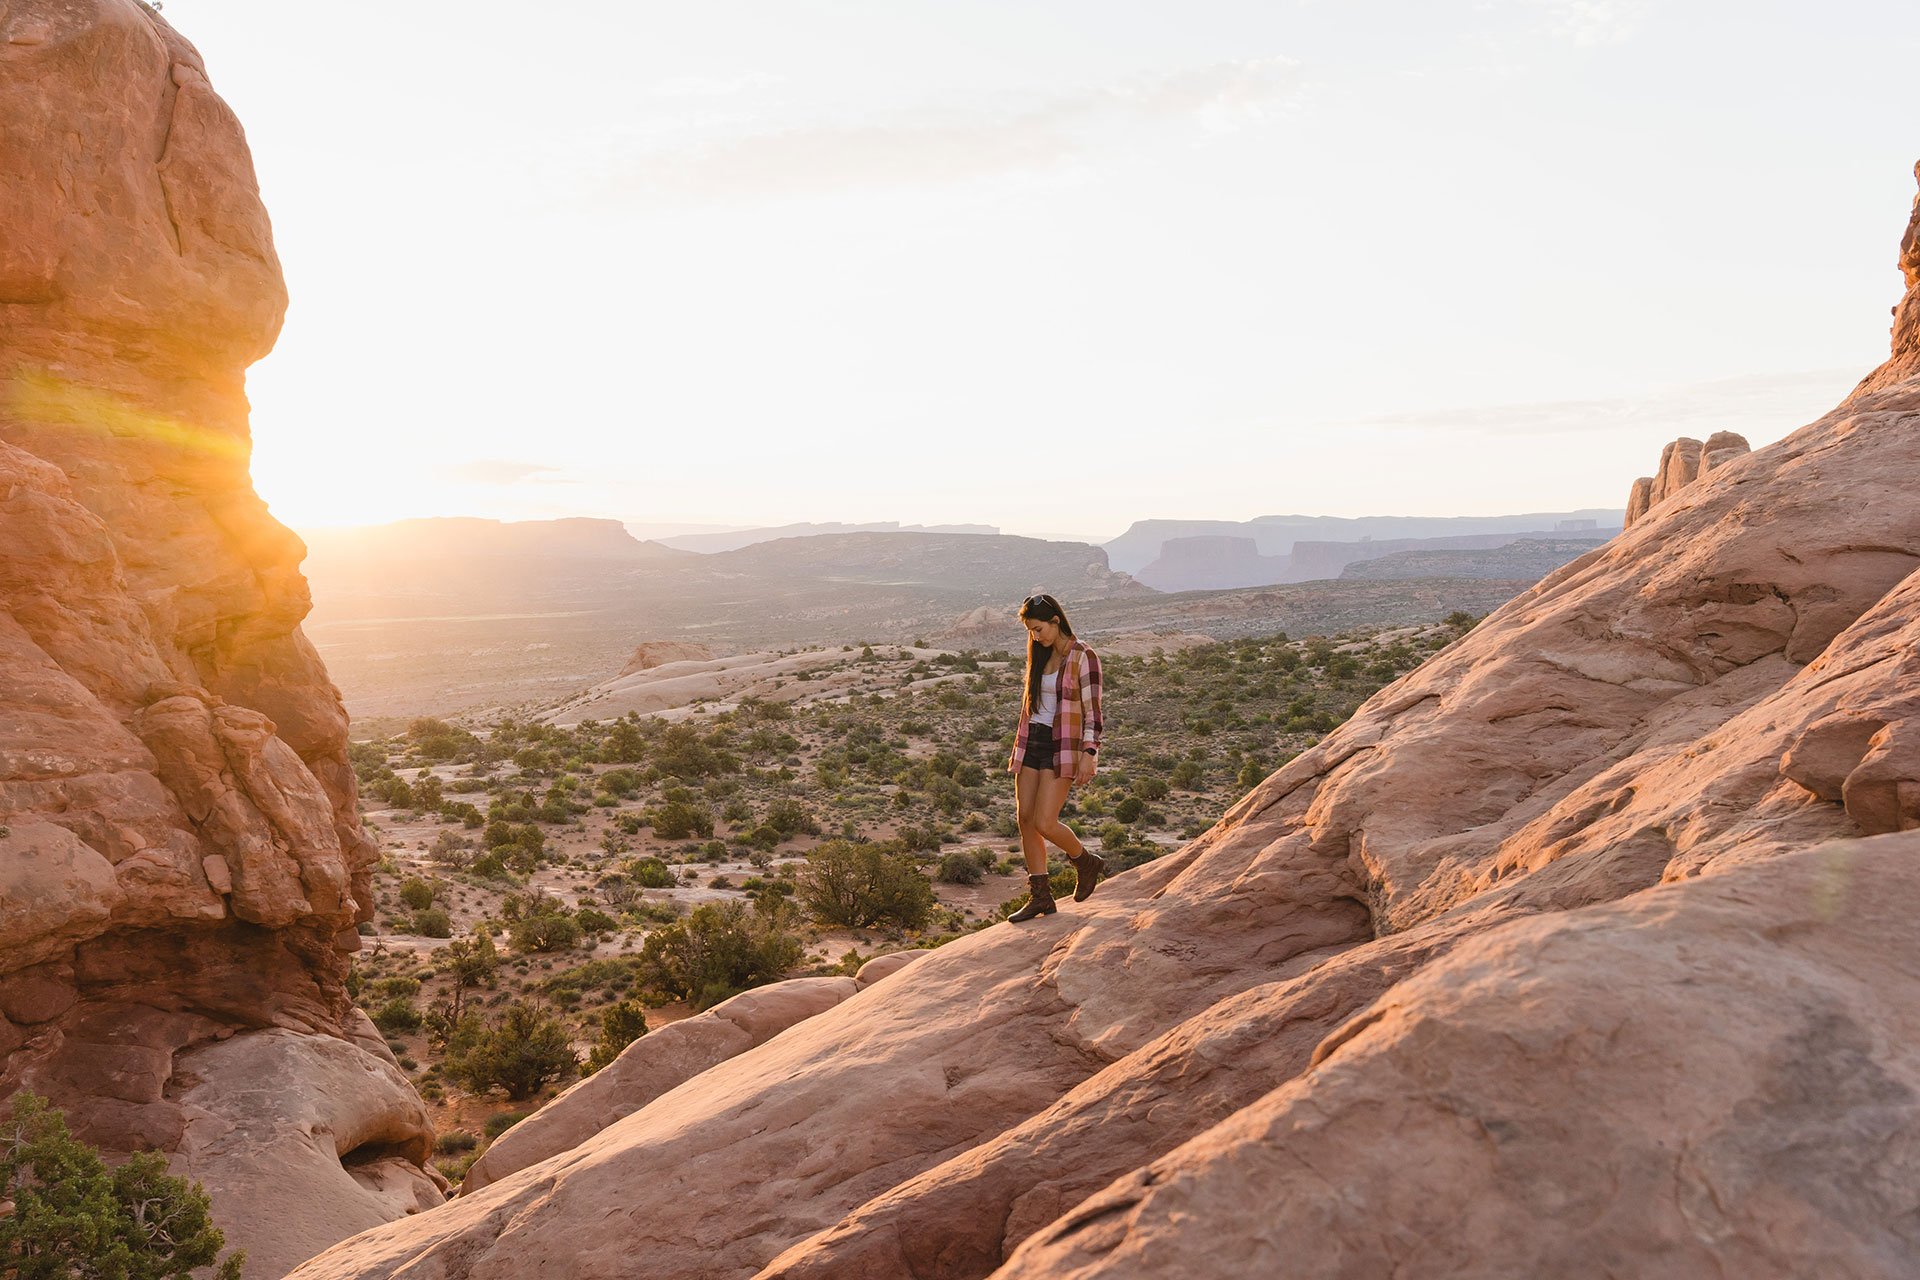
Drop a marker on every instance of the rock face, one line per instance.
(1681, 463)
(181, 865)
(1555, 930)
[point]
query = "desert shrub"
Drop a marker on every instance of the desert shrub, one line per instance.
(923, 836)
(861, 885)
(433, 923)
(959, 867)
(470, 962)
(650, 873)
(499, 1123)
(790, 818)
(521, 1053)
(591, 920)
(450, 850)
(1130, 808)
(680, 819)
(620, 1025)
(455, 1142)
(720, 949)
(619, 782)
(71, 1216)
(615, 973)
(396, 1017)
(550, 930)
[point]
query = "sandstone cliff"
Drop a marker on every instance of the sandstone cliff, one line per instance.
(181, 864)
(1565, 956)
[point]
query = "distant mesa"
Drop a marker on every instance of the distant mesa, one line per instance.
(1214, 562)
(1682, 463)
(461, 539)
(553, 606)
(1143, 541)
(734, 539)
(1525, 559)
(656, 652)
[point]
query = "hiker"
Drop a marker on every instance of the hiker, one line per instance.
(1059, 736)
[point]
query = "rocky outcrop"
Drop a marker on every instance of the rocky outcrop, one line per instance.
(1681, 464)
(656, 653)
(1553, 930)
(181, 864)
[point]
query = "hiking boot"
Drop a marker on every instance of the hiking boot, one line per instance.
(1087, 870)
(1040, 904)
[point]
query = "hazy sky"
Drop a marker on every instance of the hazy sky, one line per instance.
(1053, 264)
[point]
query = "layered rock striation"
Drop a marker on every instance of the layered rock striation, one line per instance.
(1583, 949)
(181, 863)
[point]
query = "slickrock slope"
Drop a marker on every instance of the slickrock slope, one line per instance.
(1543, 964)
(180, 861)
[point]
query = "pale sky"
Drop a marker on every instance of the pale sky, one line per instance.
(1054, 265)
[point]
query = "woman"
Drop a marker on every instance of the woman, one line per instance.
(1058, 737)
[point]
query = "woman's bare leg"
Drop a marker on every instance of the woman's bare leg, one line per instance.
(1053, 795)
(1026, 795)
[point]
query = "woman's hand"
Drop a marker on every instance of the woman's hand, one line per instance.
(1084, 774)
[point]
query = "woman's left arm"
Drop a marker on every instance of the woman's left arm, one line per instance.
(1092, 724)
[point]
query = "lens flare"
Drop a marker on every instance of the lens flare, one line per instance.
(50, 400)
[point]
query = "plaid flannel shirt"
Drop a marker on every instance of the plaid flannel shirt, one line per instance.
(1076, 724)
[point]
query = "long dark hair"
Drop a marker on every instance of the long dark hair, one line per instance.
(1041, 608)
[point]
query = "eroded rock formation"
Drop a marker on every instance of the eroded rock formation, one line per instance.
(1681, 463)
(1546, 963)
(181, 864)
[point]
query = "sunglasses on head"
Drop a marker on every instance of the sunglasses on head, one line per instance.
(1034, 600)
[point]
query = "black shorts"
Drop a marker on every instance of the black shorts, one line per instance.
(1039, 753)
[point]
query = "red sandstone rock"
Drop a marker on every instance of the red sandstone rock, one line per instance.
(179, 849)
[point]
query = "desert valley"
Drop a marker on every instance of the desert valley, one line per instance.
(464, 898)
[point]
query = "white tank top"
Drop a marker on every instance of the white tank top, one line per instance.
(1049, 704)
